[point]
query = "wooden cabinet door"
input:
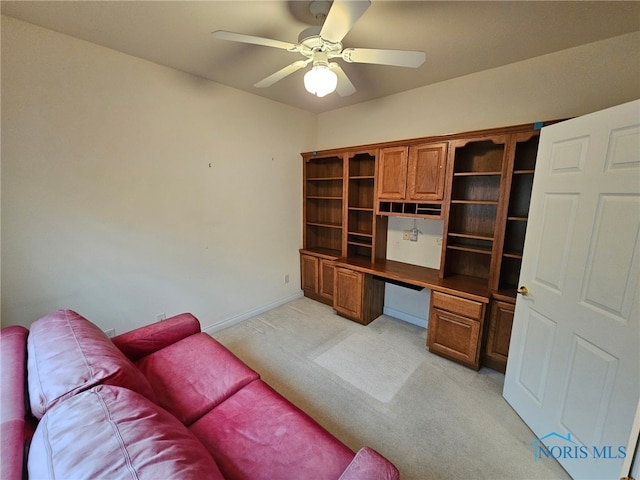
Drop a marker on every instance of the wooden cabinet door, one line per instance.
(309, 273)
(426, 171)
(455, 328)
(496, 348)
(454, 337)
(392, 173)
(348, 295)
(325, 281)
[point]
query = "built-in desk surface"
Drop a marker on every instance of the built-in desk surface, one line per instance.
(460, 285)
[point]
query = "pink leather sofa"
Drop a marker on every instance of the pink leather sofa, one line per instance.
(164, 401)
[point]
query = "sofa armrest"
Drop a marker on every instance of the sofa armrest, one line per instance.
(142, 341)
(13, 354)
(370, 465)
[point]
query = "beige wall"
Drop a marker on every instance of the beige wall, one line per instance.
(109, 205)
(559, 85)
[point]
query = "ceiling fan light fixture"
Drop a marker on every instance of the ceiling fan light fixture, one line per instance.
(320, 80)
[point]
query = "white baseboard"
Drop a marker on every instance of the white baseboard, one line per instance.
(405, 317)
(251, 313)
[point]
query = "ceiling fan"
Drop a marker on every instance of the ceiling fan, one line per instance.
(322, 44)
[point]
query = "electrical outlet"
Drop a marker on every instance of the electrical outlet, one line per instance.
(406, 234)
(286, 278)
(111, 332)
(161, 316)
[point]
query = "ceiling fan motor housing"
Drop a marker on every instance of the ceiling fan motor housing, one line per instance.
(312, 45)
(320, 9)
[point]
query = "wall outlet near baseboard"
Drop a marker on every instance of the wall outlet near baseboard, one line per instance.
(111, 332)
(161, 316)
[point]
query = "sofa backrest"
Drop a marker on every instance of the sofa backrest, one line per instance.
(67, 354)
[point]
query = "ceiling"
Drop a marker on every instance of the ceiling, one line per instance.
(458, 38)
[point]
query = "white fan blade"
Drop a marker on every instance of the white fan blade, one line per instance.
(241, 37)
(342, 16)
(283, 72)
(399, 58)
(345, 87)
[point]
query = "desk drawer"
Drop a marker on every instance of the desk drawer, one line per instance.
(461, 306)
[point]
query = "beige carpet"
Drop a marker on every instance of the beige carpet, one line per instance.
(374, 363)
(377, 385)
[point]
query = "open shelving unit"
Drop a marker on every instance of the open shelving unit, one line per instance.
(360, 217)
(525, 147)
(323, 201)
(339, 206)
(363, 240)
(476, 185)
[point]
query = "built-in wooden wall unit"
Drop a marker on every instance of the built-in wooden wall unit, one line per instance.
(479, 183)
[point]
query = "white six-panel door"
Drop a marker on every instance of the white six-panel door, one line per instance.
(573, 373)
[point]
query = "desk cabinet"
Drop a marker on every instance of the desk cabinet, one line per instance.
(358, 296)
(455, 328)
(317, 277)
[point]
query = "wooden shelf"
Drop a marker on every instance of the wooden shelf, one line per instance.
(324, 179)
(325, 225)
(512, 255)
(360, 233)
(471, 235)
(481, 251)
(328, 253)
(360, 244)
(360, 209)
(477, 174)
(474, 202)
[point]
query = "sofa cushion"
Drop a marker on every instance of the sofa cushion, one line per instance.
(260, 435)
(192, 376)
(111, 432)
(68, 354)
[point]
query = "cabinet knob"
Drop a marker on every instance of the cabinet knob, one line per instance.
(524, 291)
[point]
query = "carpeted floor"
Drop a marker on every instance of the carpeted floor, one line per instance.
(378, 385)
